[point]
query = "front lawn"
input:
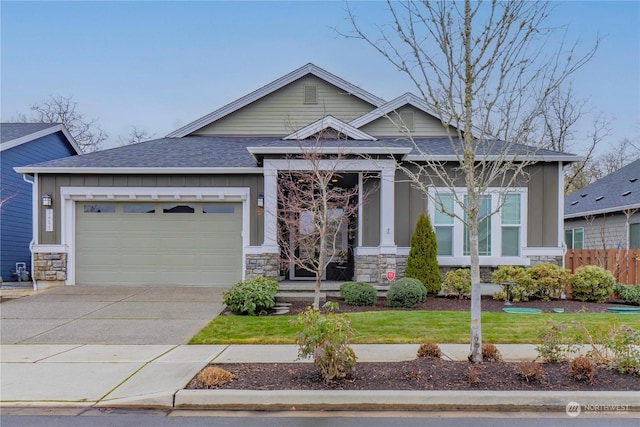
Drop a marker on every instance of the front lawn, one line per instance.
(397, 327)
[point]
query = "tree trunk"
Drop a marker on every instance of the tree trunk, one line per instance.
(475, 354)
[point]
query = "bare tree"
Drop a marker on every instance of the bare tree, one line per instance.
(62, 109)
(135, 136)
(486, 71)
(314, 212)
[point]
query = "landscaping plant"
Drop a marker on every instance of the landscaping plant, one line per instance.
(422, 263)
(429, 350)
(326, 337)
(214, 376)
(529, 371)
(523, 286)
(548, 280)
(582, 369)
(554, 343)
(406, 292)
(358, 293)
(457, 283)
(491, 353)
(629, 293)
(252, 296)
(592, 283)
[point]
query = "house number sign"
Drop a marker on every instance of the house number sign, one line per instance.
(391, 274)
(48, 220)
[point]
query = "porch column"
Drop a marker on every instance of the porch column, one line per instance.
(270, 244)
(387, 210)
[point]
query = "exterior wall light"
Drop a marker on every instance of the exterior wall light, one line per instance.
(47, 199)
(260, 200)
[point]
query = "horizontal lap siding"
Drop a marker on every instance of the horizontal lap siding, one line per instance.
(16, 214)
(53, 183)
(424, 125)
(283, 111)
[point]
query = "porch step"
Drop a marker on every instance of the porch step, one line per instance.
(301, 296)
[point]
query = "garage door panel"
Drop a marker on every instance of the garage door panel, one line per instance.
(120, 248)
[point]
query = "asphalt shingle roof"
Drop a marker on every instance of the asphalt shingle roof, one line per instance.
(618, 190)
(231, 152)
(11, 131)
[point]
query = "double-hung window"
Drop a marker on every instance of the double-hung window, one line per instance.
(501, 231)
(574, 238)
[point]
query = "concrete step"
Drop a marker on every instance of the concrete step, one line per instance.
(301, 296)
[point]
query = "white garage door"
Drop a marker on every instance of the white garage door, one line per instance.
(164, 244)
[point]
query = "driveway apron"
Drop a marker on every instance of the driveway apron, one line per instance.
(109, 315)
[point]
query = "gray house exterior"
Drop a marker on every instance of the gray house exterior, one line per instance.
(605, 214)
(198, 207)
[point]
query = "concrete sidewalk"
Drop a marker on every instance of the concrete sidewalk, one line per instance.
(155, 375)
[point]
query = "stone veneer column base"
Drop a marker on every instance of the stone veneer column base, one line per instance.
(266, 265)
(546, 259)
(49, 269)
(373, 268)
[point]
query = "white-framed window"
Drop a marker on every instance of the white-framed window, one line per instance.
(501, 235)
(574, 238)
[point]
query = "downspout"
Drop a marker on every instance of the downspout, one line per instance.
(34, 234)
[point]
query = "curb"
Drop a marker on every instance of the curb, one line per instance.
(387, 400)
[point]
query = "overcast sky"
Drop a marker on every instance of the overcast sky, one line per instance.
(159, 65)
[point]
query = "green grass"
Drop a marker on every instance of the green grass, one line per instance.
(403, 327)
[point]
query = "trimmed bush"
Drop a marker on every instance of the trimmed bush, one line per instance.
(457, 283)
(251, 296)
(490, 353)
(549, 280)
(523, 288)
(406, 292)
(429, 350)
(592, 283)
(529, 371)
(629, 293)
(214, 376)
(422, 262)
(582, 369)
(358, 293)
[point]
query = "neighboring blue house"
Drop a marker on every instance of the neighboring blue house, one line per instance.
(24, 144)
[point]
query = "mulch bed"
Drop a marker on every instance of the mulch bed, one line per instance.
(427, 374)
(418, 374)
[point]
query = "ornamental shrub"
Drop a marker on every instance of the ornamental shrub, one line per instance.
(549, 280)
(325, 337)
(592, 283)
(582, 369)
(406, 292)
(358, 293)
(251, 296)
(422, 263)
(629, 293)
(523, 288)
(457, 283)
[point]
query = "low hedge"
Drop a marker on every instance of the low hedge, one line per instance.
(406, 292)
(358, 293)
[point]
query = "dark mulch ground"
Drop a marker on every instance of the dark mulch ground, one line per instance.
(427, 374)
(454, 304)
(418, 374)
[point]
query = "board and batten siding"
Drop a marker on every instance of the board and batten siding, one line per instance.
(16, 228)
(53, 183)
(390, 125)
(284, 111)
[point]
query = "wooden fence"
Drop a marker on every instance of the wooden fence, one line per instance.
(624, 264)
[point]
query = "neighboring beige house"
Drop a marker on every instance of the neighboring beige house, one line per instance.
(198, 206)
(606, 213)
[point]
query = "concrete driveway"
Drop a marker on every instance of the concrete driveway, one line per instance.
(109, 315)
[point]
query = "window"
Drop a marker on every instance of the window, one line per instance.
(510, 218)
(634, 236)
(500, 235)
(443, 224)
(574, 238)
(218, 209)
(484, 228)
(139, 208)
(178, 209)
(100, 208)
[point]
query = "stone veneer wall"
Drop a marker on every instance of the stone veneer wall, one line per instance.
(266, 265)
(50, 267)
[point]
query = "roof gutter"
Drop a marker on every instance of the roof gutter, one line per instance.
(603, 211)
(131, 170)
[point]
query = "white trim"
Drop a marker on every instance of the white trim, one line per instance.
(70, 195)
(543, 251)
(39, 134)
(616, 209)
(333, 123)
(360, 208)
(136, 170)
(346, 165)
(490, 158)
(465, 261)
(253, 250)
(560, 214)
(41, 249)
(272, 87)
(330, 150)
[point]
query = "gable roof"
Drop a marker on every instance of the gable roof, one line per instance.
(405, 99)
(15, 134)
(272, 87)
(615, 192)
(333, 123)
